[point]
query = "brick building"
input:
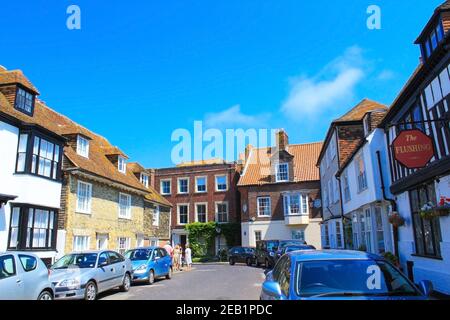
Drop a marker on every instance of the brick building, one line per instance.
(278, 188)
(202, 191)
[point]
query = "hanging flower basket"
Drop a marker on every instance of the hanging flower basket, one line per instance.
(396, 219)
(427, 212)
(442, 211)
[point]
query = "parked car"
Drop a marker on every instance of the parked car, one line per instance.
(339, 275)
(266, 250)
(150, 263)
(83, 275)
(241, 255)
(24, 276)
(290, 248)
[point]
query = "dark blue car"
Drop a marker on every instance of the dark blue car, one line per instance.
(339, 275)
(150, 263)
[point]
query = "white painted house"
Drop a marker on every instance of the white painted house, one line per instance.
(30, 171)
(366, 205)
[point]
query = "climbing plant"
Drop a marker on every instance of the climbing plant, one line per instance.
(232, 233)
(201, 237)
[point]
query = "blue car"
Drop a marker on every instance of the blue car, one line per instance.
(339, 275)
(150, 263)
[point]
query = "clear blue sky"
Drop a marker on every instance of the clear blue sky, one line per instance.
(137, 70)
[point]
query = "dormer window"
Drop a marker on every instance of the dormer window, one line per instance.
(24, 101)
(282, 172)
(122, 165)
(432, 41)
(144, 179)
(83, 147)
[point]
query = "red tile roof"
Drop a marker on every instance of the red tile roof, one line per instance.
(257, 169)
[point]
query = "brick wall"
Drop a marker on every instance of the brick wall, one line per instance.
(210, 197)
(249, 195)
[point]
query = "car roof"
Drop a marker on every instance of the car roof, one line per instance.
(316, 255)
(147, 248)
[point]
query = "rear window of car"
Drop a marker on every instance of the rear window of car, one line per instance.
(28, 263)
(7, 267)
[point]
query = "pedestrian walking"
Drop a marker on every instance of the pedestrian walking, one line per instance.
(176, 258)
(188, 256)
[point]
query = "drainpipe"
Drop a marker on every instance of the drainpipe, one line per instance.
(392, 201)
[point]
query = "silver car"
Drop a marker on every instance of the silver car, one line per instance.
(83, 275)
(24, 276)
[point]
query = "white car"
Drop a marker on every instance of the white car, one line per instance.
(24, 276)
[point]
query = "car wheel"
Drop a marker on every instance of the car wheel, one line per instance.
(151, 277)
(45, 295)
(91, 291)
(249, 262)
(126, 283)
(169, 275)
(232, 262)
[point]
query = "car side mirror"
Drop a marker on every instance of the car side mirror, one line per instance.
(272, 288)
(102, 264)
(426, 287)
(156, 258)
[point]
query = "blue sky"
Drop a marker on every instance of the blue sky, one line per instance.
(138, 70)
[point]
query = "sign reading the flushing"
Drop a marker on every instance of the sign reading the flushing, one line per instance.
(213, 143)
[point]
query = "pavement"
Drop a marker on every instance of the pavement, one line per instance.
(208, 281)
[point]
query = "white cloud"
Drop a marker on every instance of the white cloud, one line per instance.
(322, 93)
(233, 117)
(386, 75)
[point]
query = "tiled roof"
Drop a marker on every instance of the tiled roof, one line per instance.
(15, 76)
(358, 112)
(97, 164)
(257, 169)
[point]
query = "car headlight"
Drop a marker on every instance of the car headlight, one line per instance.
(272, 254)
(70, 283)
(141, 268)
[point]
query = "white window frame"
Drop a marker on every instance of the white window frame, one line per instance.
(88, 196)
(86, 243)
(145, 179)
(260, 234)
(82, 146)
(346, 187)
(101, 237)
(178, 185)
(127, 244)
(206, 184)
(122, 164)
(161, 188)
(259, 209)
(277, 171)
(196, 210)
(361, 188)
(178, 213)
(303, 197)
(217, 203)
(128, 208)
(156, 214)
(217, 185)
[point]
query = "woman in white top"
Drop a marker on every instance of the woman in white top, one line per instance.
(188, 256)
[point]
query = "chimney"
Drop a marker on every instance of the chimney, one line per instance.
(152, 177)
(282, 140)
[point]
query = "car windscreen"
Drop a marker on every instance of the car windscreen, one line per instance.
(334, 278)
(284, 244)
(139, 254)
(272, 245)
(297, 248)
(76, 260)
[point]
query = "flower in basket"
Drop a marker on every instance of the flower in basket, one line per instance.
(396, 219)
(427, 211)
(443, 209)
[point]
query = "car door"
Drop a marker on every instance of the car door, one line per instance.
(105, 272)
(34, 278)
(11, 281)
(118, 268)
(165, 261)
(158, 262)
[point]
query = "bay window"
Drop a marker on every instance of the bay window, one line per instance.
(32, 228)
(295, 204)
(39, 156)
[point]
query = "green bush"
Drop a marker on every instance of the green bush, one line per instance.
(201, 237)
